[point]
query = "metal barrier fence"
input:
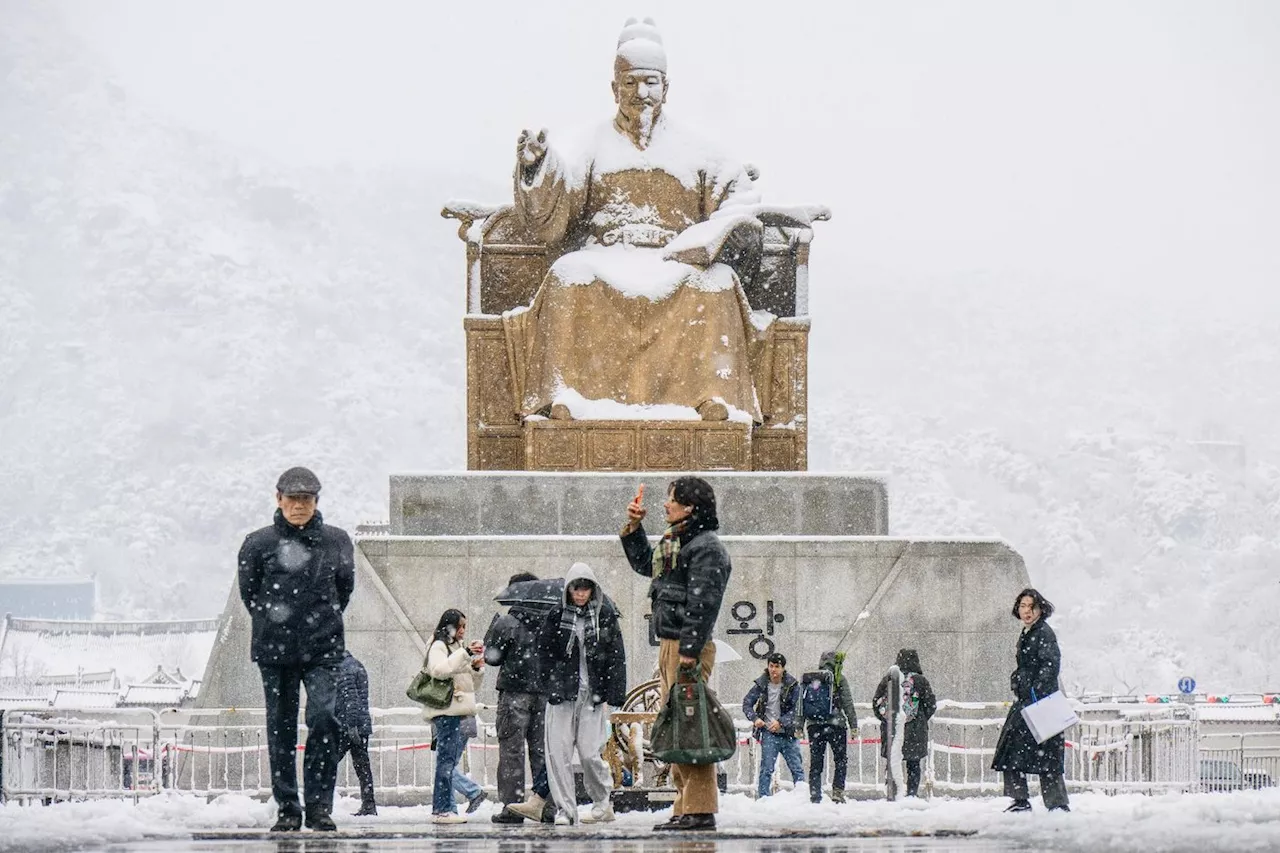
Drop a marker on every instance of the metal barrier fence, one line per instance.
(132, 753)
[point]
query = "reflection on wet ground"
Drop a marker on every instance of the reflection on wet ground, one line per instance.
(559, 843)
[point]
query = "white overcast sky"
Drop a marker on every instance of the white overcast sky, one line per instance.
(1105, 142)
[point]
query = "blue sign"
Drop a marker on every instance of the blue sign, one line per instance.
(1186, 685)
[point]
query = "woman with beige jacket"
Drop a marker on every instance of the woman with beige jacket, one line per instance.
(448, 657)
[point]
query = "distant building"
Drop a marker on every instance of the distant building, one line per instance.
(49, 598)
(74, 663)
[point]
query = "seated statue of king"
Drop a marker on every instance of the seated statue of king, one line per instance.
(641, 311)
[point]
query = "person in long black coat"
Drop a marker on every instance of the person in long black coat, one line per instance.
(1017, 752)
(919, 705)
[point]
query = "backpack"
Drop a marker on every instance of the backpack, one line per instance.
(817, 696)
(910, 698)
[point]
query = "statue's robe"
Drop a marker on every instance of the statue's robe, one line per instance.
(613, 319)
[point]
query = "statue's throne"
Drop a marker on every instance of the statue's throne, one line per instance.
(505, 266)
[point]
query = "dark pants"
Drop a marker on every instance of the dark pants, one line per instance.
(541, 784)
(280, 686)
(358, 746)
(1053, 788)
(913, 776)
(820, 737)
(521, 719)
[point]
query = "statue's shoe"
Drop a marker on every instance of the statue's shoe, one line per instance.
(712, 410)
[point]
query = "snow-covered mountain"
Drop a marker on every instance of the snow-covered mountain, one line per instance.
(180, 320)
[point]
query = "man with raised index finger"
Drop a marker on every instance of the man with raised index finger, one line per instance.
(690, 571)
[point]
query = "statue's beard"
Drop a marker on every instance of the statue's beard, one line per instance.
(641, 124)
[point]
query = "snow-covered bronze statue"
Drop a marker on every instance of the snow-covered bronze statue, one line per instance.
(642, 310)
(638, 278)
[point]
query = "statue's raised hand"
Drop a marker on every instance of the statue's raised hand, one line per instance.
(530, 149)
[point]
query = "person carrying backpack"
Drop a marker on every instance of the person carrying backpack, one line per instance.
(918, 705)
(826, 703)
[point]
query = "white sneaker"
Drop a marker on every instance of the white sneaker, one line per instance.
(449, 817)
(563, 819)
(600, 814)
(530, 809)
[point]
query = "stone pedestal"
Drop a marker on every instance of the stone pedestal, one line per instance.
(551, 445)
(492, 503)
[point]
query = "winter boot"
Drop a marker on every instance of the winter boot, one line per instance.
(837, 795)
(1019, 806)
(531, 808)
(507, 816)
(600, 813)
(368, 807)
(318, 819)
(699, 823)
(287, 822)
(476, 802)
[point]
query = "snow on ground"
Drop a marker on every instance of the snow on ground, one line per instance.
(1240, 821)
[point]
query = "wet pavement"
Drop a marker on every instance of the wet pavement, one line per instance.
(555, 841)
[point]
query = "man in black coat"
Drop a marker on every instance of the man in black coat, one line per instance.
(352, 711)
(296, 577)
(690, 569)
(1017, 753)
(511, 643)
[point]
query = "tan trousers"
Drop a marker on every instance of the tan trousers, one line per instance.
(696, 791)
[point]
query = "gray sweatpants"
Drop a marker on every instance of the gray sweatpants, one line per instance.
(585, 726)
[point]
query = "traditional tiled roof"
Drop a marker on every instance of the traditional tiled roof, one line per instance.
(133, 649)
(166, 695)
(82, 699)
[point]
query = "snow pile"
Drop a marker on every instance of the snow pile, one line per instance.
(1240, 821)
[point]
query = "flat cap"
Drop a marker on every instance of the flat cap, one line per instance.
(298, 481)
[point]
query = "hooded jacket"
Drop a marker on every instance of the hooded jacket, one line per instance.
(295, 583)
(558, 647)
(352, 708)
(915, 731)
(844, 716)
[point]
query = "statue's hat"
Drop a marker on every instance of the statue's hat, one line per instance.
(640, 45)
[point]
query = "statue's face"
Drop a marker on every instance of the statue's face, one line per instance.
(637, 90)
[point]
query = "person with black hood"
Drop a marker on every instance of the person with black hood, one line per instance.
(831, 730)
(917, 706)
(584, 667)
(296, 577)
(1017, 753)
(690, 569)
(352, 710)
(772, 706)
(511, 643)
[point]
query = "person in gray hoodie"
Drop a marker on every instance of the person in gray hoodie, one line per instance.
(584, 670)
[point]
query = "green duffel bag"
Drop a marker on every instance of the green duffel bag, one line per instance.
(693, 727)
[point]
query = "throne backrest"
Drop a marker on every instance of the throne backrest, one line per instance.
(506, 263)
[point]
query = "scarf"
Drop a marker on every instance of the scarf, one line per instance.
(664, 556)
(590, 613)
